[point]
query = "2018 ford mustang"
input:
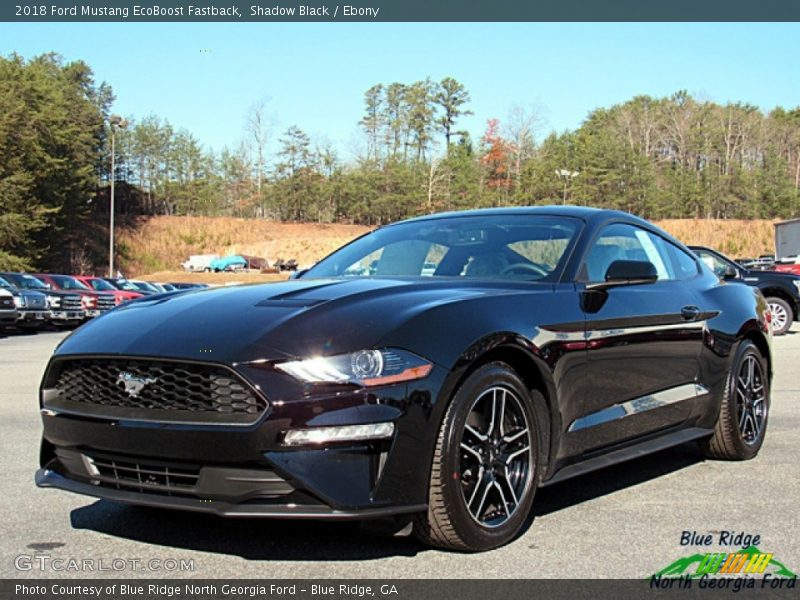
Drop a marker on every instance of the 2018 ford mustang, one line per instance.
(435, 371)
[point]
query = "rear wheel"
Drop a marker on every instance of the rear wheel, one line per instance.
(782, 315)
(485, 466)
(742, 423)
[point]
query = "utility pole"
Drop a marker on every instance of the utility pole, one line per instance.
(116, 122)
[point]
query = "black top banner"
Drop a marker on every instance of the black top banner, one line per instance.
(400, 10)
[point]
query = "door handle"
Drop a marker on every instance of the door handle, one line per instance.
(690, 313)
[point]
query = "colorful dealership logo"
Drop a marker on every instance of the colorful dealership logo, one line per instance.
(747, 561)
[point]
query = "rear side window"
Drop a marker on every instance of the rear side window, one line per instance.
(626, 242)
(685, 265)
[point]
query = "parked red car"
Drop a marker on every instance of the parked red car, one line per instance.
(93, 302)
(790, 268)
(101, 285)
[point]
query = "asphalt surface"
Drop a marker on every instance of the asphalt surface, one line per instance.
(625, 521)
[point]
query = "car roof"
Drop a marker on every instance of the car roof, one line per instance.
(585, 213)
(581, 212)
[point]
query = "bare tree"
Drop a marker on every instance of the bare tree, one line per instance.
(437, 175)
(258, 126)
(521, 129)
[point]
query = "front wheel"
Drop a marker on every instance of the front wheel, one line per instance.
(486, 464)
(782, 315)
(742, 422)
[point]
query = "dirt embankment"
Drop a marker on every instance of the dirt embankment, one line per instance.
(157, 246)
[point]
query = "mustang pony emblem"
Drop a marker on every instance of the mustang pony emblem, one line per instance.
(134, 384)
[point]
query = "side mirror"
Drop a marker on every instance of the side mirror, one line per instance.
(626, 272)
(730, 273)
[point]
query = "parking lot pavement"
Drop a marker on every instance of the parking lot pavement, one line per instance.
(625, 521)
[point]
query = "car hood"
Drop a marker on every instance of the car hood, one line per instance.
(272, 321)
(783, 275)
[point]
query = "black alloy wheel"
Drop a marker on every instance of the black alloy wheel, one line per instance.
(751, 400)
(742, 422)
(495, 457)
(486, 463)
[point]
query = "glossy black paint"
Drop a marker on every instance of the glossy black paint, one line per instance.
(585, 349)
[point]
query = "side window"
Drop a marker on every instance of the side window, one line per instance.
(685, 265)
(626, 242)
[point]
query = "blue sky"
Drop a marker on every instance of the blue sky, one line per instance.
(204, 77)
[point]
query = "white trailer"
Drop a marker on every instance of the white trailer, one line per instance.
(199, 262)
(787, 240)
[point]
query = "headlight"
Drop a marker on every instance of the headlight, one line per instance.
(88, 302)
(19, 301)
(365, 367)
(53, 301)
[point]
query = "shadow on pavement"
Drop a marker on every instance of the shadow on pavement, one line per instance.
(253, 539)
(612, 479)
(262, 539)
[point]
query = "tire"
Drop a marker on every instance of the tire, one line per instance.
(739, 436)
(782, 315)
(481, 498)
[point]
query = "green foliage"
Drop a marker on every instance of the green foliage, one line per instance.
(657, 157)
(51, 135)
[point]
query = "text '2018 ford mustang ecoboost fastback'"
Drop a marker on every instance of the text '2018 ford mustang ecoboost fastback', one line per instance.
(435, 371)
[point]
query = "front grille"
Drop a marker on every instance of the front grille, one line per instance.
(155, 390)
(6, 302)
(37, 302)
(105, 302)
(71, 302)
(143, 477)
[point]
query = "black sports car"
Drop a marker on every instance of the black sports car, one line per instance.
(435, 371)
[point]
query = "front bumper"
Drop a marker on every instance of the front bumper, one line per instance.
(8, 317)
(30, 316)
(46, 478)
(67, 315)
(246, 470)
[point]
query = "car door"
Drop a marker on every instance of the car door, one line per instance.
(643, 341)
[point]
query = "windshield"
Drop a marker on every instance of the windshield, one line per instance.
(65, 282)
(102, 285)
(5, 284)
(521, 247)
(144, 286)
(27, 282)
(124, 284)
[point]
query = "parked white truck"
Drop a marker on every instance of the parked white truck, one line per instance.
(787, 240)
(199, 262)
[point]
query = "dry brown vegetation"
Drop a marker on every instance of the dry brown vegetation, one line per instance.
(157, 246)
(215, 279)
(163, 243)
(734, 237)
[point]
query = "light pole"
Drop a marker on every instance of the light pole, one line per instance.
(567, 175)
(116, 122)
